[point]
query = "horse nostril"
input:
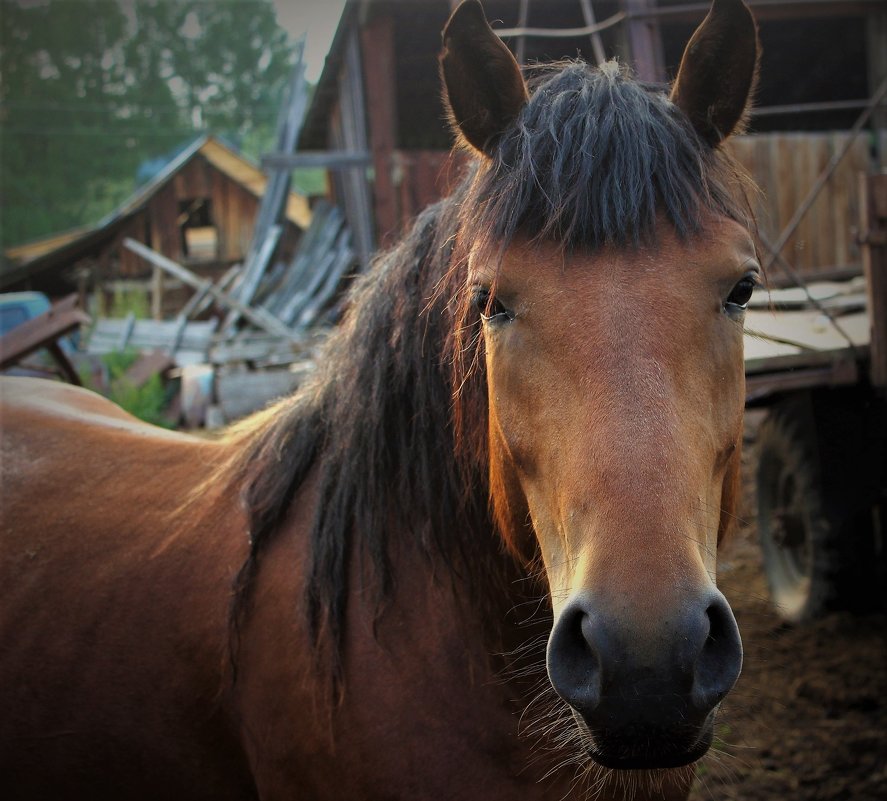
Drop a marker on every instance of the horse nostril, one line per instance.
(573, 660)
(720, 660)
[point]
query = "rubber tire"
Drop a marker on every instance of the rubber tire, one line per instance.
(823, 571)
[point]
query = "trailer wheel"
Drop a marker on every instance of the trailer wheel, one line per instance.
(800, 540)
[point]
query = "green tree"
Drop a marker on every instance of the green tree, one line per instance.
(91, 89)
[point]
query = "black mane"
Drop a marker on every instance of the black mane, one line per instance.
(393, 432)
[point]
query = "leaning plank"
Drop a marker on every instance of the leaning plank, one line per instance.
(345, 258)
(200, 300)
(269, 222)
(43, 332)
(274, 296)
(324, 282)
(258, 317)
(126, 332)
(257, 264)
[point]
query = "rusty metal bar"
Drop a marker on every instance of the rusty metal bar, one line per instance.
(563, 33)
(803, 108)
(597, 43)
(703, 8)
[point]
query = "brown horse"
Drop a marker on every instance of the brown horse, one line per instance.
(319, 605)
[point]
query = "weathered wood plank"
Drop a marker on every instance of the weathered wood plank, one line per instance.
(329, 159)
(786, 166)
(377, 39)
(258, 317)
(43, 331)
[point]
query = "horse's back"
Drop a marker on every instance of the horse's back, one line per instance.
(114, 613)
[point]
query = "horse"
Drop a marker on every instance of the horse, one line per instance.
(473, 556)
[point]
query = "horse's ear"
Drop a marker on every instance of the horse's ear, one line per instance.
(484, 89)
(718, 71)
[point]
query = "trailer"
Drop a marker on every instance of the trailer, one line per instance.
(816, 360)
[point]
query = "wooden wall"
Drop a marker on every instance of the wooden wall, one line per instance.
(419, 178)
(786, 166)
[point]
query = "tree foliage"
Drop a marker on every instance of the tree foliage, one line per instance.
(91, 89)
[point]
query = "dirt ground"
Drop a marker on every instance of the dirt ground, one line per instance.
(807, 720)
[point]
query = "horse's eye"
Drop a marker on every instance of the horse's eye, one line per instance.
(489, 307)
(740, 295)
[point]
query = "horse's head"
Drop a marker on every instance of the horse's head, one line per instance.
(610, 266)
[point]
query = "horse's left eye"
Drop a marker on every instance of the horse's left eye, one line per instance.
(489, 307)
(740, 295)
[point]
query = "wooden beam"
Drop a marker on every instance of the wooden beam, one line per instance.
(258, 317)
(43, 331)
(841, 372)
(328, 159)
(806, 108)
(157, 294)
(353, 116)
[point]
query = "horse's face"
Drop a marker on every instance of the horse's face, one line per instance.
(616, 393)
(616, 396)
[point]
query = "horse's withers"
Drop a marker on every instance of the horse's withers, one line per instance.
(616, 392)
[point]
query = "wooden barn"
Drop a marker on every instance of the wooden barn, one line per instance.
(199, 211)
(824, 65)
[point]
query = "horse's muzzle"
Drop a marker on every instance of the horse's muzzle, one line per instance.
(645, 695)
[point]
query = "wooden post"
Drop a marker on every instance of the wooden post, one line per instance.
(358, 203)
(873, 238)
(377, 40)
(157, 294)
(644, 41)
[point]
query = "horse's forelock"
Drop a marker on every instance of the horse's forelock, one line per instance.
(593, 159)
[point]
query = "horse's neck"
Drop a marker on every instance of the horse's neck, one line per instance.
(428, 674)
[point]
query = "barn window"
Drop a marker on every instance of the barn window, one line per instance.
(200, 239)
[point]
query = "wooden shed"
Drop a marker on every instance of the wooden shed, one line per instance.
(823, 62)
(199, 210)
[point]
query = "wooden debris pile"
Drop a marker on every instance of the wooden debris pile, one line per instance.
(260, 341)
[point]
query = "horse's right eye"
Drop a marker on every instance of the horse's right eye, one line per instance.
(489, 307)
